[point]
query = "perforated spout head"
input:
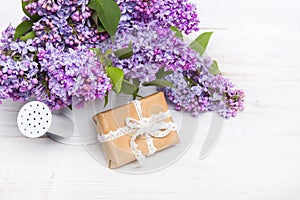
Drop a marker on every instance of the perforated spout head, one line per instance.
(34, 119)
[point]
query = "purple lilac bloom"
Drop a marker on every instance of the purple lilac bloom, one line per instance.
(183, 95)
(198, 91)
(57, 65)
(153, 48)
(167, 13)
(71, 72)
(127, 21)
(92, 82)
(18, 70)
(46, 30)
(65, 23)
(224, 98)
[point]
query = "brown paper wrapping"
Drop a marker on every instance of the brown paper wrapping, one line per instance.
(118, 152)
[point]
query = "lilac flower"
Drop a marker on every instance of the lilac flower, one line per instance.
(16, 83)
(153, 48)
(127, 21)
(65, 23)
(68, 73)
(23, 47)
(6, 38)
(225, 99)
(92, 83)
(179, 13)
(191, 99)
(167, 13)
(206, 93)
(18, 70)
(46, 30)
(57, 65)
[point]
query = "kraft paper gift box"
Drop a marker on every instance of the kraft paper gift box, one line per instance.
(136, 130)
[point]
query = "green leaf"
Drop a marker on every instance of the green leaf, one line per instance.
(190, 81)
(108, 13)
(108, 52)
(177, 32)
(33, 17)
(24, 4)
(97, 51)
(104, 58)
(117, 76)
(214, 70)
(124, 53)
(136, 82)
(95, 18)
(100, 28)
(159, 83)
(162, 73)
(201, 42)
(106, 99)
(23, 28)
(129, 88)
(28, 36)
(107, 62)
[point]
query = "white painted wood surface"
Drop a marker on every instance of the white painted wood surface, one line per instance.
(257, 45)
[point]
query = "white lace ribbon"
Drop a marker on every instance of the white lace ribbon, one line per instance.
(152, 127)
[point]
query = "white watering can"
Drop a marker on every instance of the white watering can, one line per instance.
(35, 120)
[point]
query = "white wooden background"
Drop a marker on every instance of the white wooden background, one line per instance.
(257, 45)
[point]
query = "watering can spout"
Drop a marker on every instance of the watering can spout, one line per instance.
(35, 120)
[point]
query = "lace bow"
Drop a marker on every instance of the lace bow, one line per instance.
(152, 127)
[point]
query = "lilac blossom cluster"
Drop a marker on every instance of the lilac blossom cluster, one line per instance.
(198, 91)
(65, 23)
(71, 73)
(225, 99)
(92, 82)
(50, 74)
(167, 13)
(18, 69)
(57, 65)
(153, 48)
